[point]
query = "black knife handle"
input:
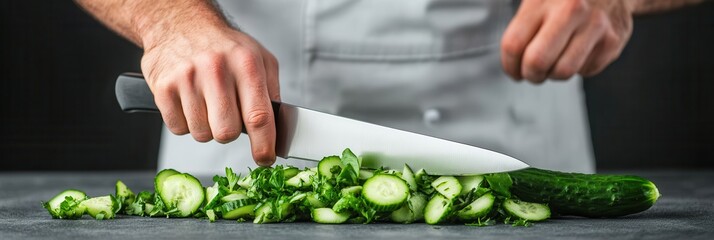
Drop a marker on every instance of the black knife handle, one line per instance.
(134, 95)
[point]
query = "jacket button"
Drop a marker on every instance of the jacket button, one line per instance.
(431, 116)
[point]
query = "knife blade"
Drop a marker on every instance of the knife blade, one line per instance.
(307, 134)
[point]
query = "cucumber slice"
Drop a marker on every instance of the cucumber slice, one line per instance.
(526, 210)
(419, 174)
(245, 182)
(329, 166)
(328, 216)
(469, 183)
(478, 208)
(298, 198)
(408, 176)
(100, 208)
(365, 174)
(236, 195)
(313, 201)
(385, 192)
(53, 206)
(302, 179)
(213, 196)
(161, 177)
(354, 190)
(211, 215)
(437, 209)
(148, 208)
(265, 214)
(183, 192)
(238, 209)
(448, 186)
(124, 194)
(290, 172)
(412, 211)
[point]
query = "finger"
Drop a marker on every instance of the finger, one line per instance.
(580, 47)
(220, 95)
(272, 75)
(194, 108)
(606, 51)
(550, 41)
(169, 104)
(519, 33)
(255, 105)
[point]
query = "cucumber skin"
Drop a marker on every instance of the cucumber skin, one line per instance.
(587, 195)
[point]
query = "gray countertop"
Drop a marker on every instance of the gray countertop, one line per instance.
(686, 209)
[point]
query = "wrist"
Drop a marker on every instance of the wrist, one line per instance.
(155, 29)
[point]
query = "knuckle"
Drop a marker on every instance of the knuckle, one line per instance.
(258, 119)
(226, 135)
(563, 71)
(249, 63)
(511, 45)
(212, 62)
(599, 21)
(576, 7)
(175, 126)
(202, 136)
(261, 153)
(536, 63)
(273, 61)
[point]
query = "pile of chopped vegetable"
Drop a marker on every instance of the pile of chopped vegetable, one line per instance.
(339, 191)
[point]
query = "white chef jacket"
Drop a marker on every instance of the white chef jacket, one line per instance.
(426, 66)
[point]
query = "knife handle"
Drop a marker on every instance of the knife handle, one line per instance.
(134, 95)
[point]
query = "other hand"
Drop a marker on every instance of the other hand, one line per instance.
(557, 39)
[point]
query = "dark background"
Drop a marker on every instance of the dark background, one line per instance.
(652, 108)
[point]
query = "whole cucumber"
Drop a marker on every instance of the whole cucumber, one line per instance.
(587, 195)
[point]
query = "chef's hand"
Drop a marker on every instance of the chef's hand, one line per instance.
(213, 82)
(560, 38)
(208, 79)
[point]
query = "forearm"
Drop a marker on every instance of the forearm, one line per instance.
(642, 7)
(147, 23)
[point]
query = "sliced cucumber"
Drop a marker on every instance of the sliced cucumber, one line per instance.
(148, 207)
(526, 210)
(236, 195)
(298, 198)
(302, 179)
(53, 205)
(412, 211)
(289, 172)
(100, 208)
(419, 174)
(124, 194)
(213, 196)
(385, 192)
(313, 201)
(329, 166)
(354, 190)
(408, 176)
(365, 174)
(328, 216)
(245, 182)
(267, 213)
(238, 209)
(161, 177)
(448, 186)
(183, 192)
(211, 215)
(437, 209)
(469, 183)
(478, 208)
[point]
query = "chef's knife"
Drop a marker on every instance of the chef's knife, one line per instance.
(311, 135)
